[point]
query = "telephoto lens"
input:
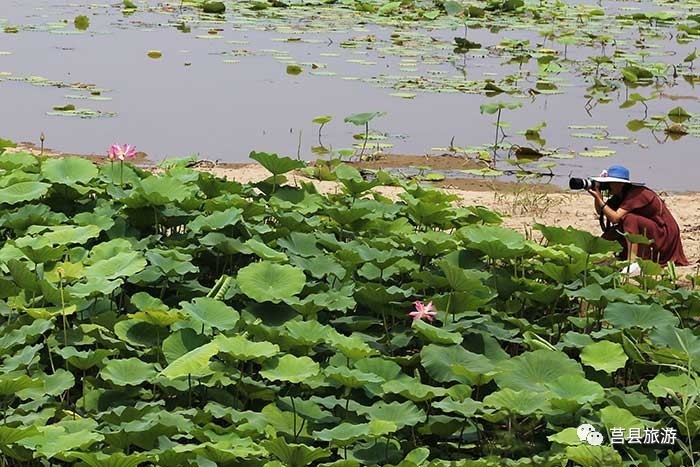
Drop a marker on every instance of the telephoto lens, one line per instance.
(580, 183)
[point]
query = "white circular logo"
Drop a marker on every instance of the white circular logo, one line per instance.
(583, 430)
(594, 438)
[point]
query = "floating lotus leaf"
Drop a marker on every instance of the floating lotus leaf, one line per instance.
(23, 191)
(519, 402)
(290, 368)
(212, 313)
(241, 348)
(69, 171)
(626, 315)
(265, 281)
(194, 362)
(128, 372)
(604, 355)
(530, 371)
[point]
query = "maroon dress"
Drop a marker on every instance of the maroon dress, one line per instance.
(648, 215)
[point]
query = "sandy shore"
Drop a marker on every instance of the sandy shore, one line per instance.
(523, 206)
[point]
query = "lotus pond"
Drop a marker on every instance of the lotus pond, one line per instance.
(179, 319)
(570, 87)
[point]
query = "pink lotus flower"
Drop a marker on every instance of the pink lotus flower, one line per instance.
(423, 311)
(120, 152)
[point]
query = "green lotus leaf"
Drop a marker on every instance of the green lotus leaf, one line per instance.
(570, 236)
(94, 286)
(124, 264)
(86, 359)
(118, 459)
(465, 408)
(576, 388)
(241, 348)
(682, 340)
(13, 382)
(351, 347)
(300, 244)
(26, 334)
(351, 378)
(616, 417)
(531, 370)
(163, 189)
(58, 235)
(401, 413)
(50, 312)
(413, 389)
(276, 164)
(265, 252)
(69, 171)
(492, 108)
(171, 262)
(22, 276)
(138, 333)
(213, 7)
(180, 342)
(604, 355)
(23, 191)
(294, 455)
(9, 436)
(308, 332)
(343, 434)
(584, 454)
(626, 315)
(521, 402)
(435, 334)
(55, 440)
(671, 384)
(128, 372)
(109, 249)
(567, 437)
(194, 362)
(455, 363)
(212, 313)
(270, 282)
(496, 242)
(289, 368)
(215, 221)
(363, 118)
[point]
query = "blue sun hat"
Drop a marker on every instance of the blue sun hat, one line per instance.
(615, 173)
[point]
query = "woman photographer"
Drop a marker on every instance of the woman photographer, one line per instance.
(635, 209)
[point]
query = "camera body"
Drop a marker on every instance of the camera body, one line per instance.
(587, 184)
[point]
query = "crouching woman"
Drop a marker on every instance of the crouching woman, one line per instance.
(635, 209)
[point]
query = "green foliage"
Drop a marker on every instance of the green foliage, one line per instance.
(182, 320)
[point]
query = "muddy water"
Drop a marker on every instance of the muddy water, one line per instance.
(223, 95)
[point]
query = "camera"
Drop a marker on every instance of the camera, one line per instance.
(586, 184)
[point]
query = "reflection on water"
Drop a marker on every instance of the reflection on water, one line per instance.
(221, 89)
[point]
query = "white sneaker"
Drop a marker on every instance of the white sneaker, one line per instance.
(632, 270)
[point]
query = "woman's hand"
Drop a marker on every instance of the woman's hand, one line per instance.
(595, 192)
